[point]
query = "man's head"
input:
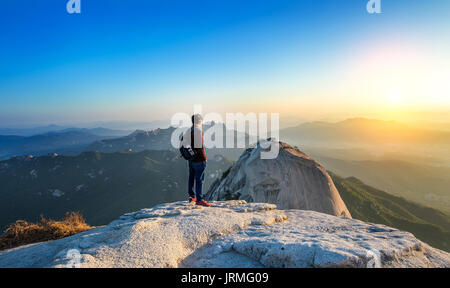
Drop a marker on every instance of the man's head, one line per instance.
(197, 119)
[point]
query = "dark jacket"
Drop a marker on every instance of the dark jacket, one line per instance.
(188, 139)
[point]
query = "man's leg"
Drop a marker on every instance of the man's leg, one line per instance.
(199, 178)
(191, 181)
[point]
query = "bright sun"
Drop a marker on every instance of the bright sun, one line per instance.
(395, 98)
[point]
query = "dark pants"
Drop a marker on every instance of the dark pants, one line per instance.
(197, 175)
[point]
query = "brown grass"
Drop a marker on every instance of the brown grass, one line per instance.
(23, 232)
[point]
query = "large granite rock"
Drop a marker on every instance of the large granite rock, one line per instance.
(230, 234)
(291, 181)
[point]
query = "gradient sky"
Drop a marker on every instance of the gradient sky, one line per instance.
(144, 60)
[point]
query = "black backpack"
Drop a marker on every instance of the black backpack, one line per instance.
(188, 152)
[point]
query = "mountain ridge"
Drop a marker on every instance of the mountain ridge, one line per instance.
(364, 130)
(68, 141)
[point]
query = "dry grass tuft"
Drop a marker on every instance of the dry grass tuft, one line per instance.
(23, 232)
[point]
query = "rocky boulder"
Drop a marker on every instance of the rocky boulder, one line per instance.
(291, 181)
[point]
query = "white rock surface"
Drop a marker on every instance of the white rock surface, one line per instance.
(230, 234)
(291, 181)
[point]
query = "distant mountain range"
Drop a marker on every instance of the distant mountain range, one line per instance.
(72, 141)
(362, 130)
(69, 141)
(137, 141)
(99, 131)
(160, 139)
(113, 128)
(130, 125)
(351, 132)
(31, 131)
(101, 186)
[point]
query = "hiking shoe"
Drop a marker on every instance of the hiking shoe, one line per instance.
(192, 199)
(203, 203)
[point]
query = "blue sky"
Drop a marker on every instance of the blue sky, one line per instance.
(144, 60)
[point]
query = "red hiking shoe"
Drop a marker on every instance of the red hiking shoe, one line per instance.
(192, 199)
(203, 203)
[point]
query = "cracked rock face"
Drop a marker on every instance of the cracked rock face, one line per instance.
(291, 181)
(230, 234)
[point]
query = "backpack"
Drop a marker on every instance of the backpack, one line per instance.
(188, 153)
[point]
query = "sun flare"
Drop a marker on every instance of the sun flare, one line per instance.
(396, 98)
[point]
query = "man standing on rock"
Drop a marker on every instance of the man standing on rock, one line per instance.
(197, 165)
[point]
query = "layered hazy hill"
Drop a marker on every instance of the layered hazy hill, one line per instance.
(101, 186)
(362, 130)
(139, 140)
(68, 141)
(31, 130)
(160, 139)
